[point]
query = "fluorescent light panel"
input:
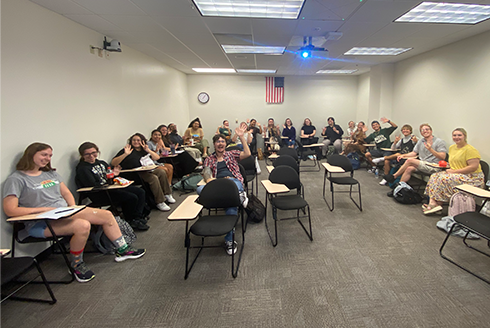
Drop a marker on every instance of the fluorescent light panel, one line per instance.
(235, 49)
(284, 9)
(366, 51)
(257, 71)
(214, 70)
(336, 71)
(450, 13)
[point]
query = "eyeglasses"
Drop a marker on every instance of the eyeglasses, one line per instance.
(91, 154)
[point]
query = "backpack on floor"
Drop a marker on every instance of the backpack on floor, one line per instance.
(461, 203)
(104, 245)
(255, 209)
(405, 194)
(188, 183)
(354, 160)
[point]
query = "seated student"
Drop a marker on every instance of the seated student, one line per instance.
(156, 144)
(381, 138)
(307, 135)
(272, 135)
(129, 158)
(178, 141)
(224, 164)
(290, 132)
(405, 145)
(464, 163)
(356, 142)
(351, 129)
(237, 141)
(194, 137)
(333, 135)
(429, 150)
(182, 163)
(35, 187)
(254, 128)
(91, 172)
(225, 130)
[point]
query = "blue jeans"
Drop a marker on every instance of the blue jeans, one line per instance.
(228, 210)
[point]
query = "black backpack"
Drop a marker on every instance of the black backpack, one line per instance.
(255, 209)
(104, 245)
(406, 195)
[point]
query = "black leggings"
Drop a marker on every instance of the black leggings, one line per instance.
(131, 199)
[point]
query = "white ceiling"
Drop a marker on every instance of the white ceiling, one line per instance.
(173, 32)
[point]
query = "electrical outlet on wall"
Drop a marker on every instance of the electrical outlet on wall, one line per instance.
(107, 55)
(100, 53)
(92, 51)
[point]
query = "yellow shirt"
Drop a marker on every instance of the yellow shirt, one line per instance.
(458, 157)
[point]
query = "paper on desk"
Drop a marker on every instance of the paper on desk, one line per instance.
(58, 213)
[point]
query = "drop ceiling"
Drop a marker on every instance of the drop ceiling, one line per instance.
(174, 32)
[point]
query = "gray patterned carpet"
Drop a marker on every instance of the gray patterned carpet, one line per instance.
(376, 268)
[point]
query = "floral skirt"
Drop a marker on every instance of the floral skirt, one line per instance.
(441, 185)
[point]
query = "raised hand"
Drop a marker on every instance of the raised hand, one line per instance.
(384, 120)
(127, 149)
(145, 146)
(117, 170)
(397, 138)
(414, 138)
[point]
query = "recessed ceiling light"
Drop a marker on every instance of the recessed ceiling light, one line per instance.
(285, 9)
(235, 49)
(367, 51)
(336, 71)
(449, 13)
(214, 70)
(257, 71)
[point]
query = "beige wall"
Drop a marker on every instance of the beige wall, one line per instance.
(448, 88)
(238, 97)
(55, 91)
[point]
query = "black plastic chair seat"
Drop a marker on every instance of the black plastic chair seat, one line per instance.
(343, 180)
(475, 221)
(250, 177)
(12, 268)
(216, 225)
(286, 203)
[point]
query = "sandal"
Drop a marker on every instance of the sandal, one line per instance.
(430, 210)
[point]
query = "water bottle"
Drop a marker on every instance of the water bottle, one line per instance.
(110, 176)
(376, 173)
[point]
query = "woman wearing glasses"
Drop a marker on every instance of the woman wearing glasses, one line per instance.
(92, 172)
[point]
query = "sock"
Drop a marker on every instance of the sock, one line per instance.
(76, 258)
(120, 244)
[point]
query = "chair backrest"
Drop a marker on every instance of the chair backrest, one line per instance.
(219, 193)
(485, 169)
(249, 164)
(341, 161)
(243, 172)
(288, 161)
(288, 151)
(285, 175)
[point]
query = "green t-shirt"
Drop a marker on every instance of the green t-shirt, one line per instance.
(381, 138)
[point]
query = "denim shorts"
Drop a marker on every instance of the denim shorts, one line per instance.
(37, 230)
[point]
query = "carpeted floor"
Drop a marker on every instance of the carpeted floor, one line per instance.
(376, 268)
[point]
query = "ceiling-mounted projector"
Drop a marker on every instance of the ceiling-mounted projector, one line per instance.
(114, 45)
(308, 47)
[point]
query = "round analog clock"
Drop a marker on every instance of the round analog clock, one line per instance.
(203, 97)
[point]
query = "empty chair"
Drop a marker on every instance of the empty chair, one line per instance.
(288, 161)
(289, 151)
(294, 200)
(341, 179)
(217, 194)
(250, 172)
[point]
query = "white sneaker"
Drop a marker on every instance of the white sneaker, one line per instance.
(163, 207)
(244, 199)
(378, 160)
(170, 199)
(383, 182)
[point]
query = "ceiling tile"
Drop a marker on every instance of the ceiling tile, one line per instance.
(110, 7)
(93, 22)
(63, 7)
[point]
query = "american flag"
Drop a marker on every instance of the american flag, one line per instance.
(274, 90)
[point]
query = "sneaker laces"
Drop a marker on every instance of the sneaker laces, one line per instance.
(82, 268)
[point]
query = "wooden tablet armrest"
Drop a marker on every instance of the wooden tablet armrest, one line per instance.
(479, 192)
(274, 188)
(187, 210)
(333, 169)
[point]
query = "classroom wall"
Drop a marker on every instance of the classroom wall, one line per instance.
(448, 88)
(242, 97)
(55, 91)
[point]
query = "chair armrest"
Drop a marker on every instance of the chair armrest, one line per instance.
(333, 169)
(274, 188)
(187, 210)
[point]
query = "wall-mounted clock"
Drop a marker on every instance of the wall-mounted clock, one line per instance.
(203, 97)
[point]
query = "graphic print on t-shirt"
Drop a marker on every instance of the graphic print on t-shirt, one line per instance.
(379, 138)
(47, 184)
(99, 170)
